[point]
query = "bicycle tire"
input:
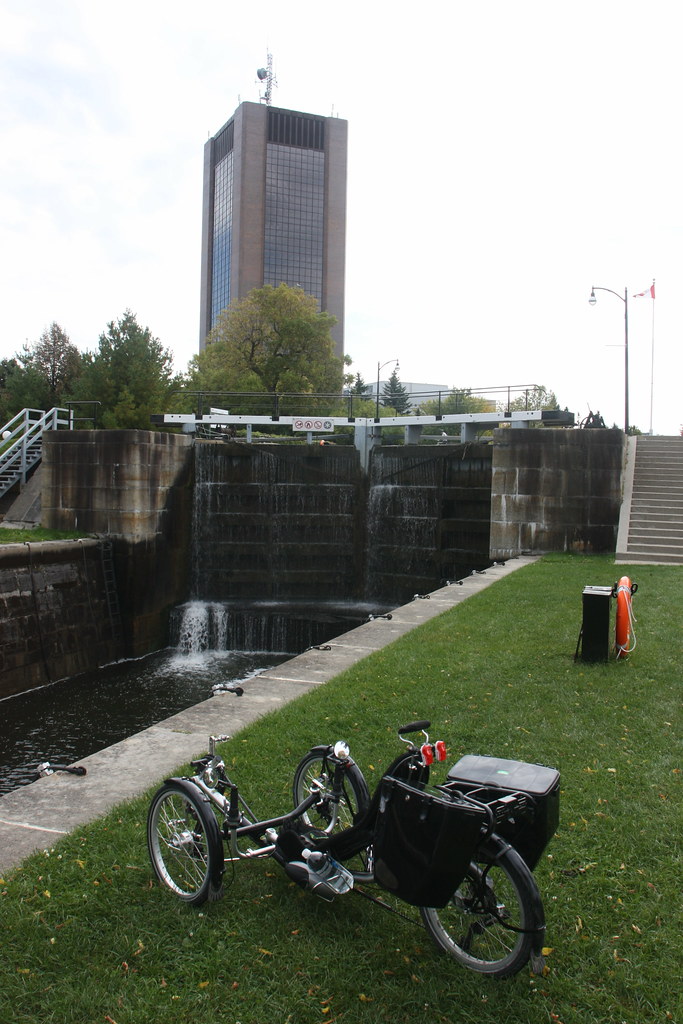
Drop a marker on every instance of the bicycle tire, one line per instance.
(314, 770)
(494, 920)
(184, 842)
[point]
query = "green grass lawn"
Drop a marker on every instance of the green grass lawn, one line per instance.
(10, 535)
(88, 937)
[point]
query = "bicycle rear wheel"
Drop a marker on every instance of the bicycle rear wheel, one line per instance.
(493, 919)
(184, 843)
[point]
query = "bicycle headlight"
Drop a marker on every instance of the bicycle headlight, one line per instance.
(341, 749)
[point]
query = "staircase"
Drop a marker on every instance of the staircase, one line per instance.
(22, 438)
(651, 522)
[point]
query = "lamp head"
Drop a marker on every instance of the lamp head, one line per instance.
(593, 299)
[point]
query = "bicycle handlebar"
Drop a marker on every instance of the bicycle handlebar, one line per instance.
(420, 726)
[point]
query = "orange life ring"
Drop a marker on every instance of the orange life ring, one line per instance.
(624, 589)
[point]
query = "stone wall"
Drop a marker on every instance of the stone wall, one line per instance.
(135, 487)
(555, 490)
(55, 620)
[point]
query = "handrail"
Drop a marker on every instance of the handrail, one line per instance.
(24, 432)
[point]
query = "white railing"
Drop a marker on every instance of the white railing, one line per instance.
(22, 442)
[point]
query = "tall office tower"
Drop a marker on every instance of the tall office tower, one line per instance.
(274, 210)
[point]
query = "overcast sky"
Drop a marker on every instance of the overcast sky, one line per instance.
(503, 158)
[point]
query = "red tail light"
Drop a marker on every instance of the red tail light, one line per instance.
(427, 751)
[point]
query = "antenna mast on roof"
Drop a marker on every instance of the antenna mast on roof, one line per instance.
(266, 75)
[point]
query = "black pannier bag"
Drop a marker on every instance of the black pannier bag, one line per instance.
(424, 841)
(532, 818)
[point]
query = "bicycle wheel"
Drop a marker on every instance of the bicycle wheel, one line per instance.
(184, 843)
(493, 919)
(315, 774)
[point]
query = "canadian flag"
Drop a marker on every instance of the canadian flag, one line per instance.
(650, 291)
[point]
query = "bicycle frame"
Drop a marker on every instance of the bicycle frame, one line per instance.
(237, 823)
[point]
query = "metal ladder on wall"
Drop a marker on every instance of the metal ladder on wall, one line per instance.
(111, 593)
(22, 443)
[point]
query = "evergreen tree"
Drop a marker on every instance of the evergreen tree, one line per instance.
(57, 361)
(130, 375)
(395, 395)
(359, 387)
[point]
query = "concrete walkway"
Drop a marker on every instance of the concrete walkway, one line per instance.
(34, 817)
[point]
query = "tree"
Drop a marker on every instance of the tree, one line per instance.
(41, 375)
(21, 387)
(394, 394)
(131, 376)
(537, 397)
(359, 387)
(458, 400)
(57, 361)
(273, 340)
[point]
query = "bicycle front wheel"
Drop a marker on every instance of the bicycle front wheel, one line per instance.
(184, 843)
(493, 918)
(315, 774)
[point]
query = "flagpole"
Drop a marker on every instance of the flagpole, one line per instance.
(652, 359)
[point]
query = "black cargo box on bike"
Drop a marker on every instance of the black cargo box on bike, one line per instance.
(528, 822)
(423, 842)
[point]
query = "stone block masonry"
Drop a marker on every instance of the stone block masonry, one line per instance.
(134, 487)
(555, 490)
(55, 620)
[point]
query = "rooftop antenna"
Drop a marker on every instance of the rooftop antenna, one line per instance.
(266, 75)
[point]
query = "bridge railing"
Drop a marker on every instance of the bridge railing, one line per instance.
(351, 405)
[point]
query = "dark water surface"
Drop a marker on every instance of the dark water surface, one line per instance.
(68, 720)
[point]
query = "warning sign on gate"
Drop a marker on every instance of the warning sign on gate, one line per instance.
(313, 423)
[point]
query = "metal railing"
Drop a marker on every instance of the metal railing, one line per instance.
(350, 404)
(22, 441)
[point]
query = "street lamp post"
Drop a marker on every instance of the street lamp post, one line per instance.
(377, 396)
(623, 298)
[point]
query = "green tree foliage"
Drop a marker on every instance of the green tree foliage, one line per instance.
(538, 397)
(274, 340)
(457, 400)
(21, 387)
(130, 375)
(58, 362)
(395, 395)
(41, 375)
(359, 387)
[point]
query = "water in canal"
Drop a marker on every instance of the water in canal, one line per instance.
(68, 720)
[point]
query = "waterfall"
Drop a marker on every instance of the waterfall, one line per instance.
(288, 628)
(292, 546)
(199, 626)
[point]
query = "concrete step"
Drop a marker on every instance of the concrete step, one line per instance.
(673, 546)
(661, 526)
(648, 557)
(662, 475)
(655, 516)
(639, 504)
(663, 529)
(657, 550)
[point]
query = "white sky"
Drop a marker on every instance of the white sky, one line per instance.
(503, 158)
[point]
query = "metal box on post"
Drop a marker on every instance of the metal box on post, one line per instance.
(595, 636)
